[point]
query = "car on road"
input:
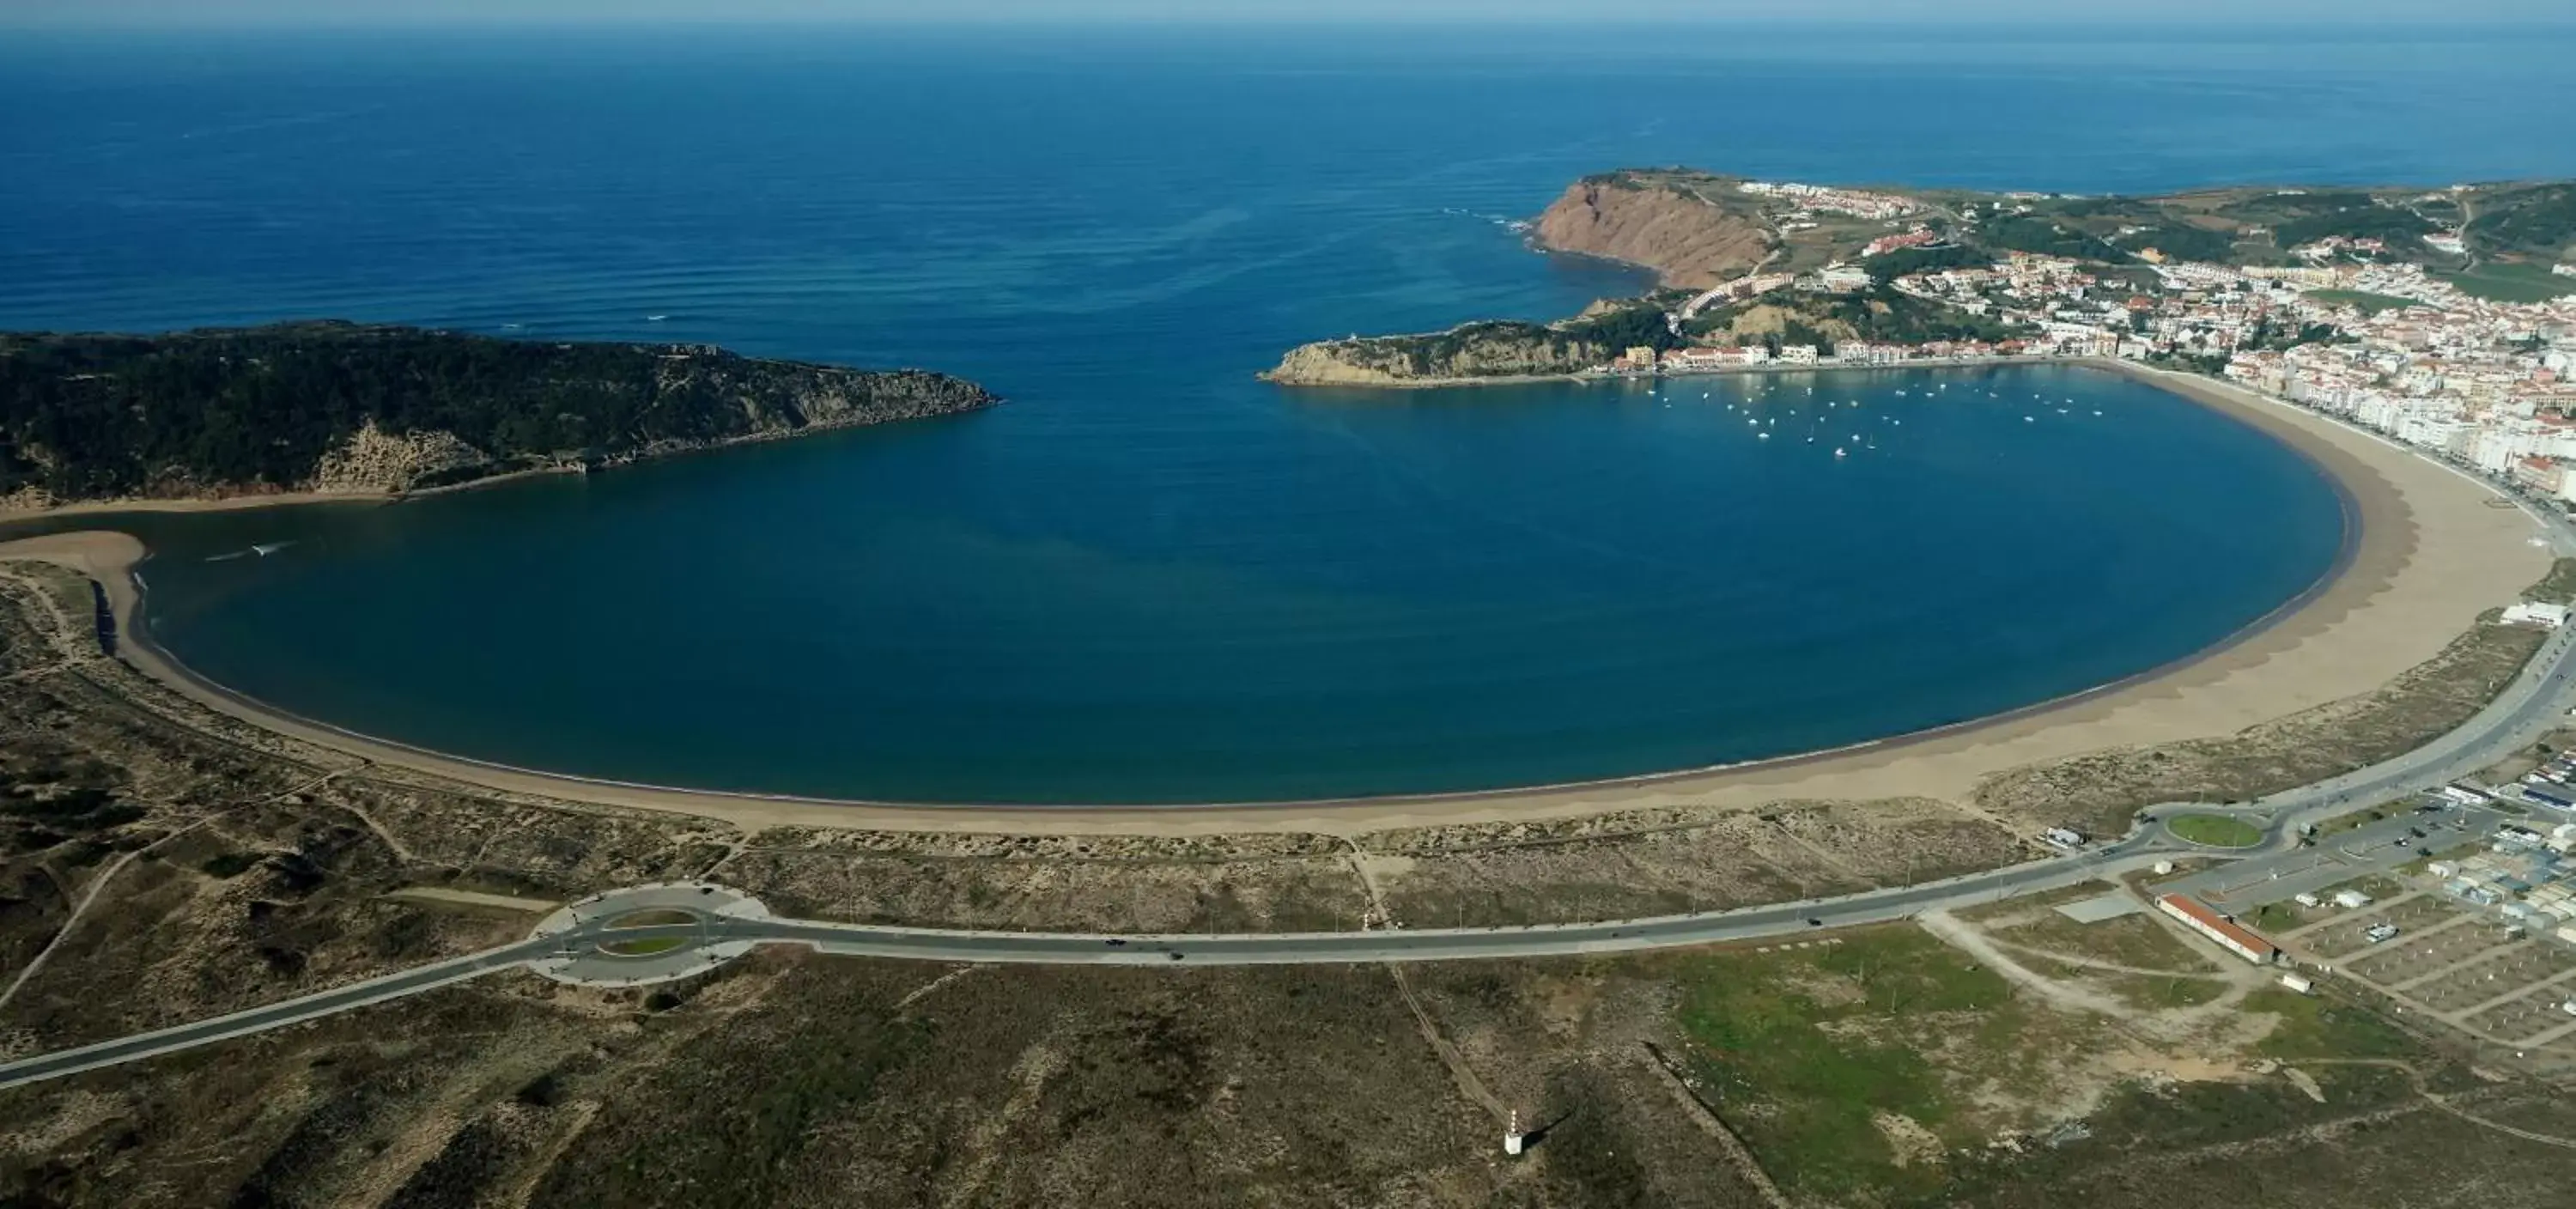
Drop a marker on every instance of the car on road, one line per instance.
(1176, 955)
(1814, 922)
(1116, 943)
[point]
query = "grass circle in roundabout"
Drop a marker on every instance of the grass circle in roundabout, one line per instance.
(648, 946)
(2215, 831)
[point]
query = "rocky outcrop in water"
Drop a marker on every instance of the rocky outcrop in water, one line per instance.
(1473, 351)
(342, 408)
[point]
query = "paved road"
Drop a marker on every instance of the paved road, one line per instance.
(2534, 704)
(947, 945)
(275, 1015)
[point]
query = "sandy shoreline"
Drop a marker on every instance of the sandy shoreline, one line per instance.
(2432, 550)
(1658, 378)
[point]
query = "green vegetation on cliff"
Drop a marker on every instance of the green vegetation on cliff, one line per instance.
(2026, 234)
(1905, 262)
(2511, 281)
(1624, 329)
(2533, 220)
(261, 409)
(1879, 314)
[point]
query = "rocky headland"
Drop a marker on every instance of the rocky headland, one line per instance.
(1809, 268)
(1665, 222)
(342, 409)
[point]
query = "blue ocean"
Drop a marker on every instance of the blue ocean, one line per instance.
(1149, 577)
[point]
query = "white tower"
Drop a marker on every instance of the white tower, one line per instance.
(1512, 1134)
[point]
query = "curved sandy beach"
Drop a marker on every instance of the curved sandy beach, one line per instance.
(2432, 549)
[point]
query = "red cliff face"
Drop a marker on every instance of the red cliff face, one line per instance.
(1688, 242)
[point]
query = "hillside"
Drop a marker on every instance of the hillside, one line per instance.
(1490, 349)
(338, 407)
(1666, 222)
(1874, 314)
(1773, 243)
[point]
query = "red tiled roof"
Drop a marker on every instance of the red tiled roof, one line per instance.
(2220, 924)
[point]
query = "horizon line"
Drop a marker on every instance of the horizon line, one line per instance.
(1218, 20)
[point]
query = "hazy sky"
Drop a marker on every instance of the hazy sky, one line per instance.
(346, 12)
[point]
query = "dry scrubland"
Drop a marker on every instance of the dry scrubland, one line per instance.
(2102, 790)
(1888, 1069)
(1891, 1067)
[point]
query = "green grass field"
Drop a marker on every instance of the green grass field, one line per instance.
(646, 947)
(2276, 917)
(2367, 302)
(2216, 831)
(2318, 1027)
(2511, 281)
(1789, 1039)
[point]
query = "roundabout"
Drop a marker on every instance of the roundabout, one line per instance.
(643, 935)
(2214, 831)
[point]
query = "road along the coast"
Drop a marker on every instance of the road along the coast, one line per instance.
(657, 933)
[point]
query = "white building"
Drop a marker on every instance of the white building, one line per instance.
(2539, 613)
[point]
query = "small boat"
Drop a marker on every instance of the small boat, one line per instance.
(1838, 452)
(1764, 435)
(655, 318)
(2028, 420)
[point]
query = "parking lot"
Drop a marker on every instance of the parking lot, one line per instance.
(2527, 1019)
(2449, 962)
(2343, 934)
(2502, 971)
(2419, 955)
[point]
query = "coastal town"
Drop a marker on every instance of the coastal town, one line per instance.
(2348, 329)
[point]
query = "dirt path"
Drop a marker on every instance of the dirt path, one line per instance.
(1739, 1155)
(1976, 944)
(470, 898)
(98, 885)
(1468, 1083)
(2442, 1102)
(2096, 963)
